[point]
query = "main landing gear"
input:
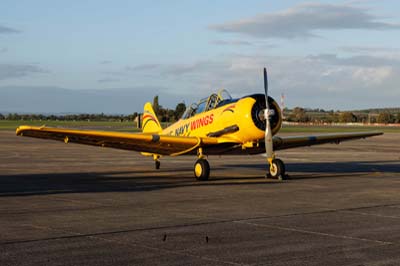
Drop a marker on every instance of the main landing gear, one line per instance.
(276, 170)
(201, 167)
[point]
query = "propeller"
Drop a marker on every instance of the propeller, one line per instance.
(268, 132)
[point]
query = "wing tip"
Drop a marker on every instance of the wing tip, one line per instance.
(20, 130)
(377, 133)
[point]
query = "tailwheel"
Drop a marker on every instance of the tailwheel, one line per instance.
(202, 170)
(276, 170)
(157, 162)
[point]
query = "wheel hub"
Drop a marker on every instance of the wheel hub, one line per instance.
(273, 169)
(198, 169)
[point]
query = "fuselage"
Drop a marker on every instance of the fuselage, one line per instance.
(238, 120)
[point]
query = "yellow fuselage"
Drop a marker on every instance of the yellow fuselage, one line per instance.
(238, 114)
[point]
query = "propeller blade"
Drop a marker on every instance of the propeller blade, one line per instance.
(268, 133)
(265, 83)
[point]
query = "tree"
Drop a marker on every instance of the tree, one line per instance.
(398, 118)
(156, 105)
(362, 117)
(2, 117)
(179, 110)
(132, 117)
(347, 117)
(163, 114)
(170, 115)
(385, 118)
(13, 116)
(299, 115)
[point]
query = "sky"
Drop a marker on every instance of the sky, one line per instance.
(319, 54)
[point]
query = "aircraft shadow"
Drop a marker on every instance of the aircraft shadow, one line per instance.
(148, 180)
(345, 168)
(97, 182)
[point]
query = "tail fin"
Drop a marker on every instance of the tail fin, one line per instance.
(150, 122)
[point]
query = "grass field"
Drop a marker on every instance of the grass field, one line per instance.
(129, 126)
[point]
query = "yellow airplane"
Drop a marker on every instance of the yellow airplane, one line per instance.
(216, 125)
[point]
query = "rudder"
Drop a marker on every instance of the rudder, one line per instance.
(150, 123)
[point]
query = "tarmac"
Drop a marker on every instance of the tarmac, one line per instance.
(68, 204)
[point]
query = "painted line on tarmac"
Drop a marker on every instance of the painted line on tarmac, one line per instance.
(297, 230)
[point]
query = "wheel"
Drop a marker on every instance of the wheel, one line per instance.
(202, 169)
(276, 170)
(158, 163)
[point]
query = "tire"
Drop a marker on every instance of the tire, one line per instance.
(201, 170)
(276, 170)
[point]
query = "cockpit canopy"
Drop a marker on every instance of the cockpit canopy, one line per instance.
(206, 104)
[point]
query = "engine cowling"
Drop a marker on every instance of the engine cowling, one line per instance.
(257, 113)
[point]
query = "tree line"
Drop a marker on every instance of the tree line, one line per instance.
(299, 114)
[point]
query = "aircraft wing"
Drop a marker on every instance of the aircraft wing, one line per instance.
(287, 142)
(177, 145)
(143, 142)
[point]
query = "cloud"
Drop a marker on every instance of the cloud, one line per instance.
(7, 30)
(302, 21)
(233, 42)
(3, 50)
(142, 67)
(372, 75)
(108, 80)
(325, 81)
(197, 68)
(105, 62)
(8, 71)
(368, 49)
(358, 60)
(114, 73)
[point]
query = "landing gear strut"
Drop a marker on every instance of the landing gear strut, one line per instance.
(276, 170)
(201, 167)
(157, 162)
